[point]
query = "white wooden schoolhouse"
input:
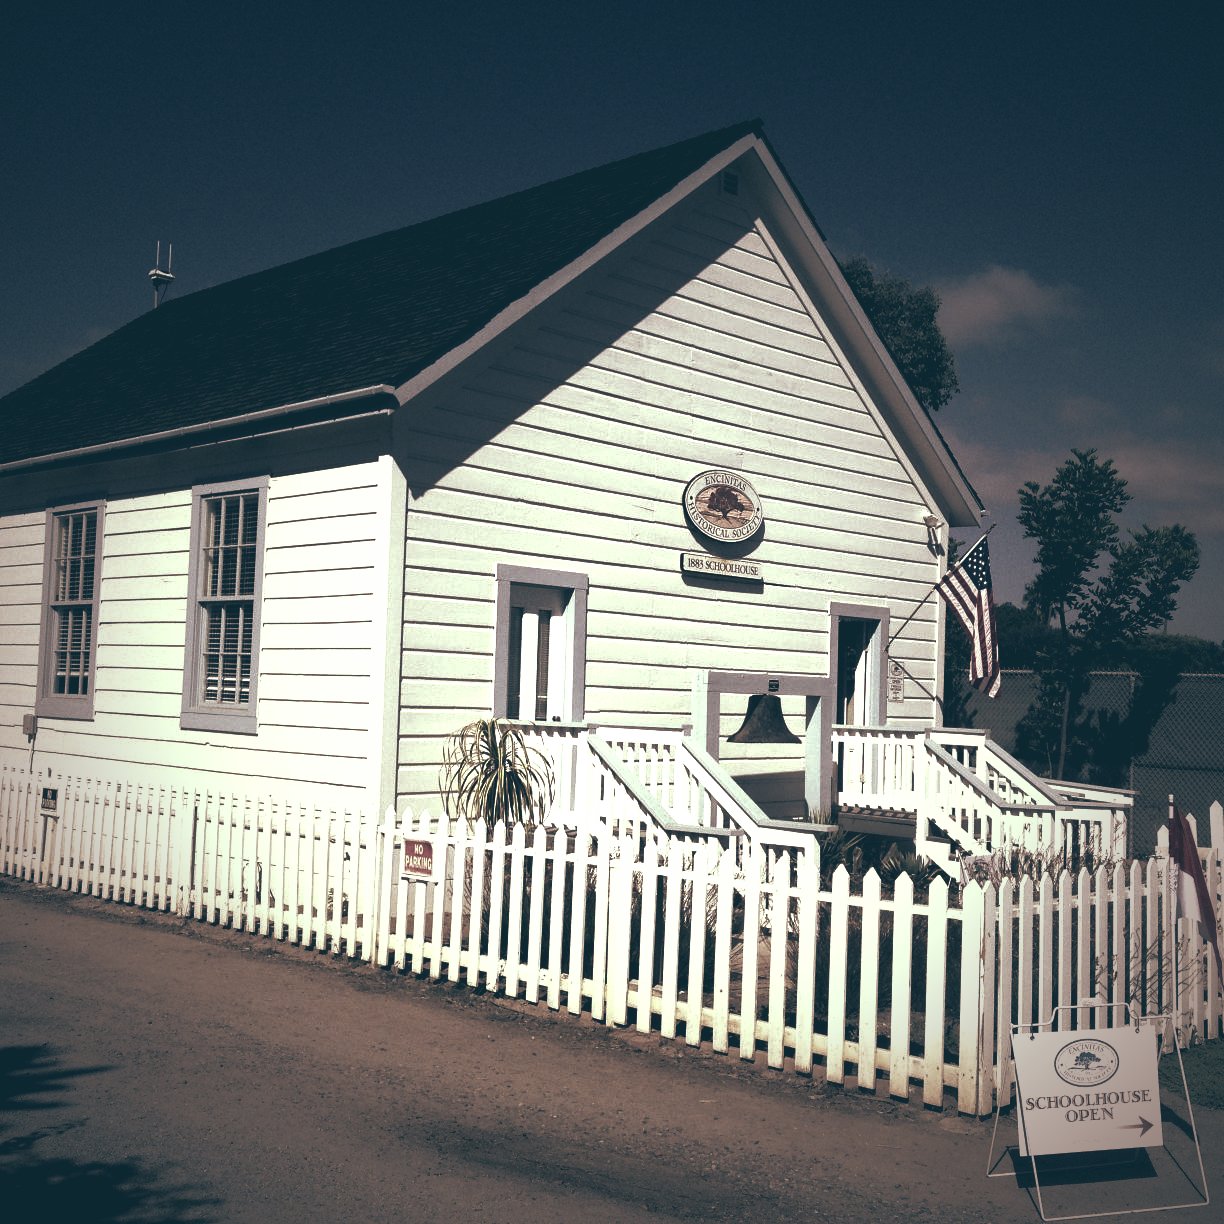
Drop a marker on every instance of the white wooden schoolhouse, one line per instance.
(609, 456)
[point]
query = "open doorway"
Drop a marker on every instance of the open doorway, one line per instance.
(858, 658)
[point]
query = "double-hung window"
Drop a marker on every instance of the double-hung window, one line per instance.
(225, 577)
(71, 582)
(541, 645)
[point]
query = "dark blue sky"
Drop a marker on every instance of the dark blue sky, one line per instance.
(1055, 172)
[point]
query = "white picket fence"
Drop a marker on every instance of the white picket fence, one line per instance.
(288, 872)
(712, 941)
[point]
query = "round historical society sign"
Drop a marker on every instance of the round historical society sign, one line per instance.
(723, 506)
(1086, 1063)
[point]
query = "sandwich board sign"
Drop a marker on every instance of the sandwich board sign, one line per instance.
(1087, 1091)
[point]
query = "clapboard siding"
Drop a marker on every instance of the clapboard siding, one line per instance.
(321, 652)
(607, 421)
(485, 475)
(760, 417)
(795, 568)
(22, 538)
(354, 581)
(569, 447)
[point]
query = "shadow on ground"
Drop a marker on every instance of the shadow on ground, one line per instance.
(35, 1104)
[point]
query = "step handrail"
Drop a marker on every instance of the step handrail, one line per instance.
(731, 796)
(658, 815)
(983, 791)
(1040, 785)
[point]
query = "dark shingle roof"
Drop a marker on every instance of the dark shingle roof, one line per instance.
(376, 311)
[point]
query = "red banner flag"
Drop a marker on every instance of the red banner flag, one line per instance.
(1193, 899)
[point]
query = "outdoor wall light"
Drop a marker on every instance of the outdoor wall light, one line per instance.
(934, 524)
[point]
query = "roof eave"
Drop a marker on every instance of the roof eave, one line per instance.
(260, 421)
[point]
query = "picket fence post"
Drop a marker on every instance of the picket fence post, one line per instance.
(869, 981)
(972, 921)
(808, 888)
(620, 893)
(839, 911)
(934, 1044)
(902, 974)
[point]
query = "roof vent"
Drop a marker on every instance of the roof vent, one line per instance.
(161, 279)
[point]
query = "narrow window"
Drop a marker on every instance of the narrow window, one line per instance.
(541, 645)
(226, 570)
(70, 612)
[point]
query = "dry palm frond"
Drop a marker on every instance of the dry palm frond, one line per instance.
(490, 773)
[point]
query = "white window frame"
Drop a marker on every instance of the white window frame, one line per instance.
(199, 713)
(566, 592)
(48, 703)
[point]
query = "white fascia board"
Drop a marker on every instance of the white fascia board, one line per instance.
(889, 435)
(523, 306)
(805, 249)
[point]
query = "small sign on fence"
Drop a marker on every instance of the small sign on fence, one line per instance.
(1087, 1092)
(418, 859)
(49, 803)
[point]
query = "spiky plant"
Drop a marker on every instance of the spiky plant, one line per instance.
(490, 773)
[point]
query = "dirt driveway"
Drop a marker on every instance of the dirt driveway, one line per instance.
(152, 1070)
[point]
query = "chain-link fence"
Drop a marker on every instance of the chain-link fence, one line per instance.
(1169, 742)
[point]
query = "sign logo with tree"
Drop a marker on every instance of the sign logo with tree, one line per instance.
(1086, 1063)
(723, 507)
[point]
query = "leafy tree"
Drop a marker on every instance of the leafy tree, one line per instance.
(1098, 617)
(904, 319)
(1022, 635)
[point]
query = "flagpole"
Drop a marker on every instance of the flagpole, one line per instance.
(935, 585)
(1174, 907)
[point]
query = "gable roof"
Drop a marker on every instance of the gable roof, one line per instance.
(372, 313)
(383, 316)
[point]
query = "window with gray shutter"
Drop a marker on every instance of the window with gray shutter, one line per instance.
(221, 665)
(70, 612)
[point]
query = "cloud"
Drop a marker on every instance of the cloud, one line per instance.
(1171, 480)
(997, 470)
(994, 306)
(1174, 481)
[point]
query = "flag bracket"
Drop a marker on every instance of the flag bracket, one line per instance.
(970, 597)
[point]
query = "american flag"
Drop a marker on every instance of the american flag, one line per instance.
(968, 592)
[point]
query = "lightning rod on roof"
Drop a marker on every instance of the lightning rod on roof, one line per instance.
(161, 279)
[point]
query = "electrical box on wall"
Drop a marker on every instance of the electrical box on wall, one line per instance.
(29, 725)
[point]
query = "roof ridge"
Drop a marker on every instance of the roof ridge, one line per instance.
(373, 311)
(720, 137)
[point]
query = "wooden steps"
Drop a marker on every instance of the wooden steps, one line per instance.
(878, 821)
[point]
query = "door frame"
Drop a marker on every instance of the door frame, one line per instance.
(876, 700)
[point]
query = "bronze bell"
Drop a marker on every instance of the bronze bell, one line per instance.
(763, 723)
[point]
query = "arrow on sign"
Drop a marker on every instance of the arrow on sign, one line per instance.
(1142, 1126)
